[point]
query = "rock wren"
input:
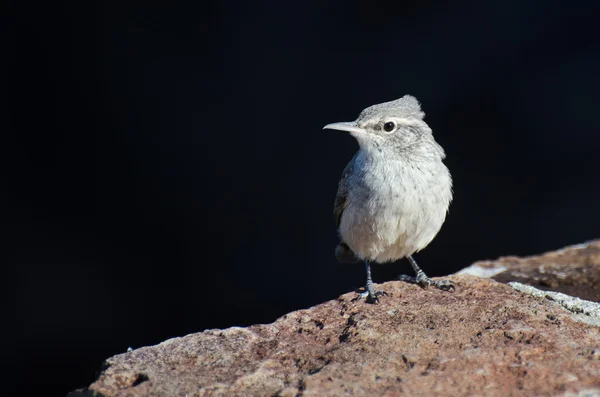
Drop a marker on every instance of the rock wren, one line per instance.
(394, 193)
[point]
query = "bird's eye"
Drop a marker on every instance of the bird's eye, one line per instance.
(389, 126)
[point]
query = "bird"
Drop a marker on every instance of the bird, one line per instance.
(394, 194)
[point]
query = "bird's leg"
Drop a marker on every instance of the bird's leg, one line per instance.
(422, 278)
(370, 294)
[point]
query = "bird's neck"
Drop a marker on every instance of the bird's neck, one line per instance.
(419, 152)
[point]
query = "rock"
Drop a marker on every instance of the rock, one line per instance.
(486, 338)
(590, 310)
(574, 270)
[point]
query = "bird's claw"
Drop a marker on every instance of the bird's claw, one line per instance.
(423, 281)
(371, 296)
(444, 285)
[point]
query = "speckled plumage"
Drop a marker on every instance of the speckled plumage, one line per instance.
(407, 106)
(394, 194)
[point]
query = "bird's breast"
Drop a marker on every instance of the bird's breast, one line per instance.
(394, 210)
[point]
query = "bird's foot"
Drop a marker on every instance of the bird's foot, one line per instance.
(371, 295)
(423, 281)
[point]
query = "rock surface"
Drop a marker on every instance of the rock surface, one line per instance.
(574, 270)
(486, 338)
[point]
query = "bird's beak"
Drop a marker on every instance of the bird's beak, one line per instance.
(351, 127)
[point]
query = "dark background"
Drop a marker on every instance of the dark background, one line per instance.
(164, 170)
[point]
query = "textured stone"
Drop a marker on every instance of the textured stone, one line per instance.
(574, 270)
(486, 338)
(590, 310)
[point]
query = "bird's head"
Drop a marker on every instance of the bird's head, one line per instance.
(395, 126)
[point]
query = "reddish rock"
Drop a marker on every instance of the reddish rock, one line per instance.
(573, 270)
(483, 339)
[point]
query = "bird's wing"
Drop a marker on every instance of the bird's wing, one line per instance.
(342, 193)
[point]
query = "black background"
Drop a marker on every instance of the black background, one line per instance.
(164, 169)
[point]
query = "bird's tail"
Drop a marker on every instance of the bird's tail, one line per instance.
(344, 254)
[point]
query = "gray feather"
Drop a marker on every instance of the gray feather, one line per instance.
(407, 106)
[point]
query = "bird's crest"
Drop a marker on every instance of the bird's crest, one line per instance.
(407, 106)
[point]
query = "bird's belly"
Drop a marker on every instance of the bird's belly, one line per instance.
(386, 231)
